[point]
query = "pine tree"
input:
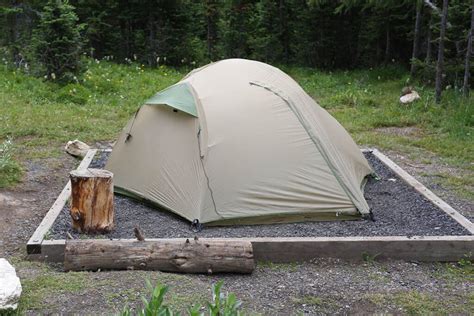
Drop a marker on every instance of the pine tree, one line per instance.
(235, 28)
(57, 43)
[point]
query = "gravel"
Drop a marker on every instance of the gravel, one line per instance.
(398, 210)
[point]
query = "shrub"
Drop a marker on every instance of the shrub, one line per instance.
(221, 304)
(10, 171)
(56, 42)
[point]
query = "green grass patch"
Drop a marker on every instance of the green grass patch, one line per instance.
(416, 303)
(463, 270)
(419, 303)
(463, 184)
(10, 170)
(39, 114)
(290, 267)
(36, 289)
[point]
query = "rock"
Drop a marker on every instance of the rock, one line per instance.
(406, 90)
(77, 148)
(10, 286)
(410, 97)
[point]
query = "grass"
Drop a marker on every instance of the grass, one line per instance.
(10, 170)
(419, 303)
(290, 267)
(45, 283)
(35, 290)
(41, 116)
(462, 185)
(366, 100)
(323, 303)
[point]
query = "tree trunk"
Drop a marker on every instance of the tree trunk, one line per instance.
(416, 38)
(387, 46)
(152, 62)
(440, 63)
(170, 255)
(284, 30)
(428, 42)
(92, 200)
(467, 62)
(211, 19)
(13, 34)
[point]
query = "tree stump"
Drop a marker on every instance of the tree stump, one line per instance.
(92, 200)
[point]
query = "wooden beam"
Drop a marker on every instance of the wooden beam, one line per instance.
(34, 244)
(299, 249)
(419, 248)
(176, 255)
(445, 207)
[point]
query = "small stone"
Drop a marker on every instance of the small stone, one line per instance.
(10, 289)
(410, 97)
(77, 148)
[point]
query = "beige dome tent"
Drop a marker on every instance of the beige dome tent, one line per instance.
(239, 141)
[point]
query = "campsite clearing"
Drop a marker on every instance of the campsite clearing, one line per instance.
(432, 143)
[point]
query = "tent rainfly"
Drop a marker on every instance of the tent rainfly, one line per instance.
(240, 142)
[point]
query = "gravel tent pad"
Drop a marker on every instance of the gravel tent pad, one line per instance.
(399, 210)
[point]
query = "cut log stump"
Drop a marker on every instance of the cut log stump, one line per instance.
(169, 255)
(92, 200)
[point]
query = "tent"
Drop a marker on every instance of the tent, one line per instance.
(240, 142)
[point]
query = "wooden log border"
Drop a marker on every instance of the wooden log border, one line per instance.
(297, 249)
(34, 244)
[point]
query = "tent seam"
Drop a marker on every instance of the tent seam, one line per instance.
(201, 119)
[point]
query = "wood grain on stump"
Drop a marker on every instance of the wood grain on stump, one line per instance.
(92, 200)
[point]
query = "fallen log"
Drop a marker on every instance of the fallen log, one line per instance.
(169, 255)
(92, 200)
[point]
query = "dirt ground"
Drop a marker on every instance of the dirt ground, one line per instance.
(319, 287)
